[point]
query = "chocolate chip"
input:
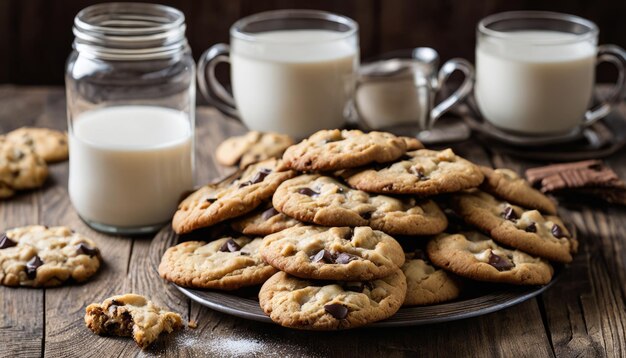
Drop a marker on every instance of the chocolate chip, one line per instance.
(257, 178)
(322, 256)
(230, 246)
(336, 310)
(353, 286)
(116, 302)
(419, 172)
(558, 232)
(269, 213)
(367, 215)
(348, 236)
(340, 190)
(84, 249)
(344, 258)
(500, 263)
(531, 228)
(32, 265)
(308, 192)
(211, 200)
(5, 242)
(509, 214)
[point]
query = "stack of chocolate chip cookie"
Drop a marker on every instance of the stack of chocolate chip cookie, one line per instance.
(327, 229)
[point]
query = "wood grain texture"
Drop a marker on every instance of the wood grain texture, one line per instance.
(583, 315)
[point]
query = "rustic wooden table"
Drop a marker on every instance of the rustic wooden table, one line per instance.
(582, 315)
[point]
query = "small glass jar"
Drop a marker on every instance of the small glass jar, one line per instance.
(130, 85)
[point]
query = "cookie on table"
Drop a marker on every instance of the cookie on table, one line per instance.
(20, 167)
(421, 172)
(526, 230)
(478, 257)
(40, 256)
(427, 284)
(51, 145)
(265, 220)
(337, 149)
(131, 315)
(338, 253)
(224, 264)
(507, 185)
(230, 198)
(252, 147)
(323, 200)
(323, 305)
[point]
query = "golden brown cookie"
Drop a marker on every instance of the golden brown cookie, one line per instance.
(324, 305)
(20, 167)
(338, 253)
(323, 200)
(340, 149)
(230, 198)
(252, 147)
(263, 221)
(507, 185)
(427, 284)
(39, 256)
(526, 230)
(131, 315)
(224, 264)
(421, 172)
(476, 256)
(51, 145)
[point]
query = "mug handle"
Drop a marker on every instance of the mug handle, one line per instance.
(617, 56)
(466, 87)
(211, 89)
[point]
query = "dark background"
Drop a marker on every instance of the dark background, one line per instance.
(36, 35)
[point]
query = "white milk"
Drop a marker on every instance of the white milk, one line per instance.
(294, 82)
(129, 165)
(534, 88)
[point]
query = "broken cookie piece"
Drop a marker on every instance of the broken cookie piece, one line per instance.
(131, 315)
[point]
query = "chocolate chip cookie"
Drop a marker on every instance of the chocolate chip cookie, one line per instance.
(526, 230)
(251, 148)
(324, 305)
(264, 221)
(507, 185)
(224, 264)
(338, 253)
(51, 145)
(325, 201)
(38, 256)
(340, 149)
(476, 256)
(131, 315)
(422, 172)
(427, 284)
(20, 167)
(230, 198)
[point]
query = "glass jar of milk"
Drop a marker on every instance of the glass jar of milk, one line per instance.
(130, 85)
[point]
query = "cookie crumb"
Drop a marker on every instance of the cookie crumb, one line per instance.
(192, 324)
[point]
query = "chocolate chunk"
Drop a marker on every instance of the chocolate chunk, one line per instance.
(5, 242)
(269, 213)
(500, 263)
(367, 215)
(230, 246)
(531, 228)
(211, 200)
(322, 256)
(308, 192)
(257, 178)
(509, 214)
(344, 258)
(558, 232)
(353, 286)
(84, 249)
(348, 236)
(336, 310)
(340, 190)
(32, 265)
(419, 172)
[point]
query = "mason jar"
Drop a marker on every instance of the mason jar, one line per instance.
(130, 86)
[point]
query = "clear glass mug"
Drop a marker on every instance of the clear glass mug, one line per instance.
(535, 72)
(292, 71)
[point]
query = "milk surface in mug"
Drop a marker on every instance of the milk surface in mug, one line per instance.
(293, 81)
(129, 165)
(538, 88)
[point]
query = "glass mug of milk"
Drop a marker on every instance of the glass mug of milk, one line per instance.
(130, 85)
(292, 71)
(535, 72)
